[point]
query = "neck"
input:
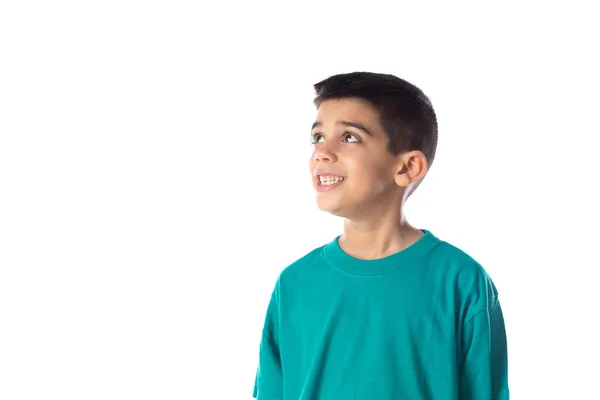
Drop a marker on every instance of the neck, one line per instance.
(378, 236)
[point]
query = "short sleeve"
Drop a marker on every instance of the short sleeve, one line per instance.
(484, 369)
(268, 384)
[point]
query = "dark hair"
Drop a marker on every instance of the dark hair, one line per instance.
(406, 114)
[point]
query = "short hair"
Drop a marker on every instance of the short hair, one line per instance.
(405, 112)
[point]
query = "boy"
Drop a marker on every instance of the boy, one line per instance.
(384, 311)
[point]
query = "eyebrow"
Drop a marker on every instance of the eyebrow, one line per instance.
(356, 125)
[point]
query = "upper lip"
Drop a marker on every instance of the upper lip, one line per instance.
(323, 172)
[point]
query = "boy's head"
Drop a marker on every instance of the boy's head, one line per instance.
(374, 137)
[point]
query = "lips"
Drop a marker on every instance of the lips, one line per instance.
(327, 181)
(328, 173)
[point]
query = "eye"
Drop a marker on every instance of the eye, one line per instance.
(315, 138)
(351, 138)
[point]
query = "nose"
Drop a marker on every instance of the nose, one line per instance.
(324, 154)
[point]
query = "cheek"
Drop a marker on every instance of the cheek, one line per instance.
(370, 180)
(311, 161)
(366, 171)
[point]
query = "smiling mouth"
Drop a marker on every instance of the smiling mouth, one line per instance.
(330, 180)
(327, 183)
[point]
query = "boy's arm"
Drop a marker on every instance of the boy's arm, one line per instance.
(484, 369)
(268, 384)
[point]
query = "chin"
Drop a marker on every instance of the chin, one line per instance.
(331, 207)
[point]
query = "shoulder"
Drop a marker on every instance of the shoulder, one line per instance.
(302, 264)
(459, 261)
(295, 272)
(466, 274)
(456, 255)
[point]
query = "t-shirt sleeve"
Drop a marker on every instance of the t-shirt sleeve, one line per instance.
(268, 384)
(484, 369)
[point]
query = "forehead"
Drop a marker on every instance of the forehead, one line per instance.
(352, 109)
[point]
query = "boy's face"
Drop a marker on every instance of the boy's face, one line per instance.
(352, 169)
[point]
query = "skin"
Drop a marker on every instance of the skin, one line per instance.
(377, 183)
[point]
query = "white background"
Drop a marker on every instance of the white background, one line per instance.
(154, 181)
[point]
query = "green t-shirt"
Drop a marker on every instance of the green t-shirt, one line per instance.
(423, 323)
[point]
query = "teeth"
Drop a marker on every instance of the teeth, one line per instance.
(330, 180)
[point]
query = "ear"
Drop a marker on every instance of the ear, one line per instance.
(412, 166)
